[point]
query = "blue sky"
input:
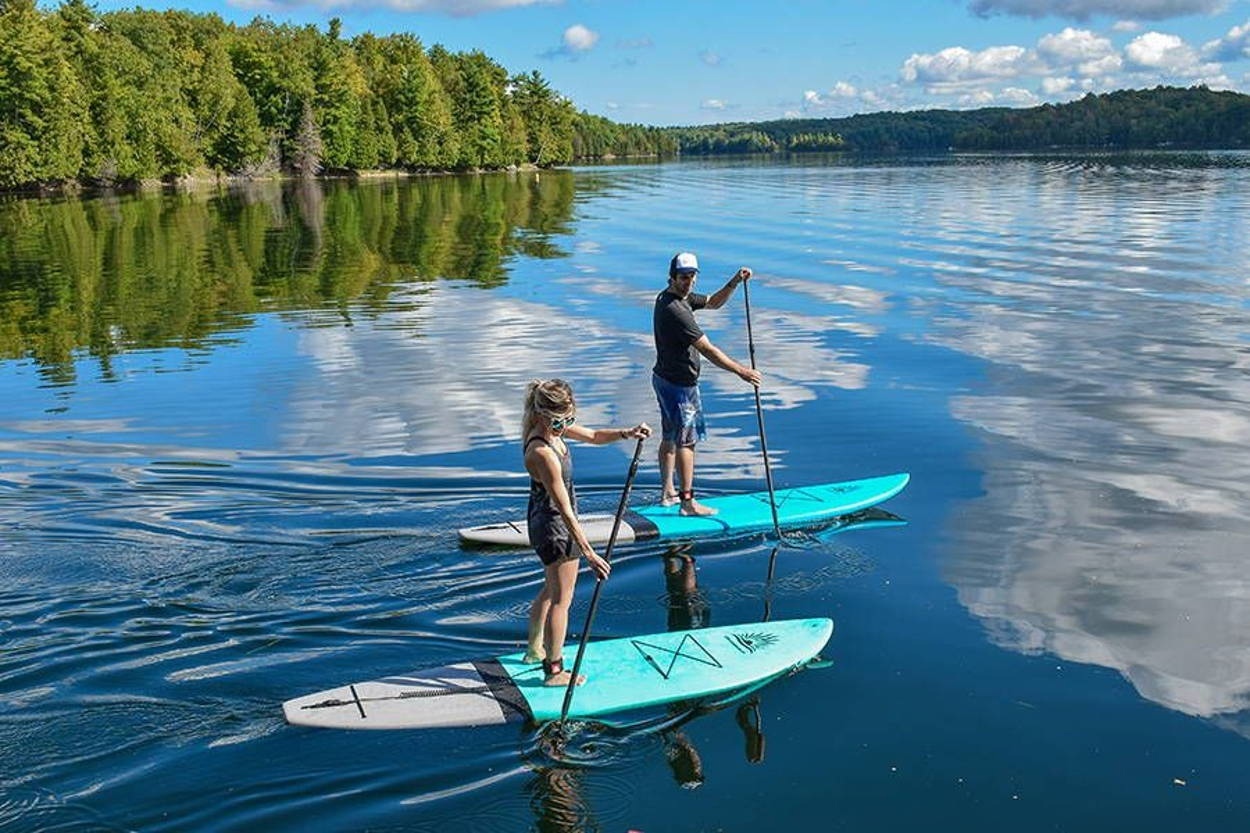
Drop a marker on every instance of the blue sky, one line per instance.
(668, 62)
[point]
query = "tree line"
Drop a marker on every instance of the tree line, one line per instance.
(1162, 117)
(134, 95)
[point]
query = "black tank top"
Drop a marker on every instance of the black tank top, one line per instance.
(540, 499)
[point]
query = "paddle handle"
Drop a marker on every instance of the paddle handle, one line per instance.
(594, 599)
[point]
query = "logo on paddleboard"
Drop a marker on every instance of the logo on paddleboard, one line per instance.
(663, 658)
(749, 643)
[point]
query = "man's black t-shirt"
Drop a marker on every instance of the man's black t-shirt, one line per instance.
(675, 330)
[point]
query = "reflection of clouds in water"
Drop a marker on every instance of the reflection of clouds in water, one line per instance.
(791, 354)
(855, 266)
(859, 298)
(1113, 529)
(441, 377)
(1122, 546)
(1167, 612)
(447, 373)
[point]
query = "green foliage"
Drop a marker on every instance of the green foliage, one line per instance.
(41, 102)
(132, 95)
(818, 142)
(595, 137)
(548, 120)
(1162, 117)
(1158, 118)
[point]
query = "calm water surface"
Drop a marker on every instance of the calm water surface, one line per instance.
(238, 432)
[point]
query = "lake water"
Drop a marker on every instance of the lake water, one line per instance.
(239, 430)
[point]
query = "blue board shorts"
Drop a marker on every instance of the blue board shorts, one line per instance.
(681, 412)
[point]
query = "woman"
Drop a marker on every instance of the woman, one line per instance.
(550, 419)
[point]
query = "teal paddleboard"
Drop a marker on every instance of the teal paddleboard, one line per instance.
(736, 514)
(628, 673)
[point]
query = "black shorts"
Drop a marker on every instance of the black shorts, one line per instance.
(551, 539)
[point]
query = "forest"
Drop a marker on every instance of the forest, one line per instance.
(136, 95)
(1163, 117)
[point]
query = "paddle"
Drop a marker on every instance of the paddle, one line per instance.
(594, 599)
(759, 410)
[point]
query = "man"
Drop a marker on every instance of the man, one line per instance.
(678, 345)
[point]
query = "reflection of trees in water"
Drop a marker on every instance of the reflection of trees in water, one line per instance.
(178, 270)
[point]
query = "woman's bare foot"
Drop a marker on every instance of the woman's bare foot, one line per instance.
(533, 657)
(562, 679)
(555, 675)
(669, 499)
(693, 507)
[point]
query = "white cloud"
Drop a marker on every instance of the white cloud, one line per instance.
(1169, 56)
(710, 58)
(1234, 46)
(1061, 65)
(713, 104)
(1056, 86)
(977, 98)
(1067, 60)
(1008, 96)
(1126, 26)
(578, 38)
(959, 66)
(1017, 97)
(1085, 9)
(844, 98)
(1156, 50)
(884, 98)
(840, 91)
(843, 90)
(1080, 50)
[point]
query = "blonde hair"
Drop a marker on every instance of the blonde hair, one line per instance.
(545, 400)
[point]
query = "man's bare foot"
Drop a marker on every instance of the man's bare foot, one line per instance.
(693, 507)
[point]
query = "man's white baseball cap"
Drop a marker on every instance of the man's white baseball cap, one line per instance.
(683, 262)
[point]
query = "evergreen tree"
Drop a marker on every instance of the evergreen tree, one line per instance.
(41, 102)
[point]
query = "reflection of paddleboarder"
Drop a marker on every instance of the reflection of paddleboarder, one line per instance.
(687, 610)
(687, 607)
(556, 795)
(557, 537)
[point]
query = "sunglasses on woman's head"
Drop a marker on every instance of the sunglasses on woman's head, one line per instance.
(560, 423)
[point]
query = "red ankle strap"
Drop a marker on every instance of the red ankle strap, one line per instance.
(686, 495)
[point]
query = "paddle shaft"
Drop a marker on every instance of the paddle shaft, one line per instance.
(759, 410)
(594, 599)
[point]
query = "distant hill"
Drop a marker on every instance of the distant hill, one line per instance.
(1163, 117)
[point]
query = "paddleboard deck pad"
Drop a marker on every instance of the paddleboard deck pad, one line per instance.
(628, 673)
(736, 514)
